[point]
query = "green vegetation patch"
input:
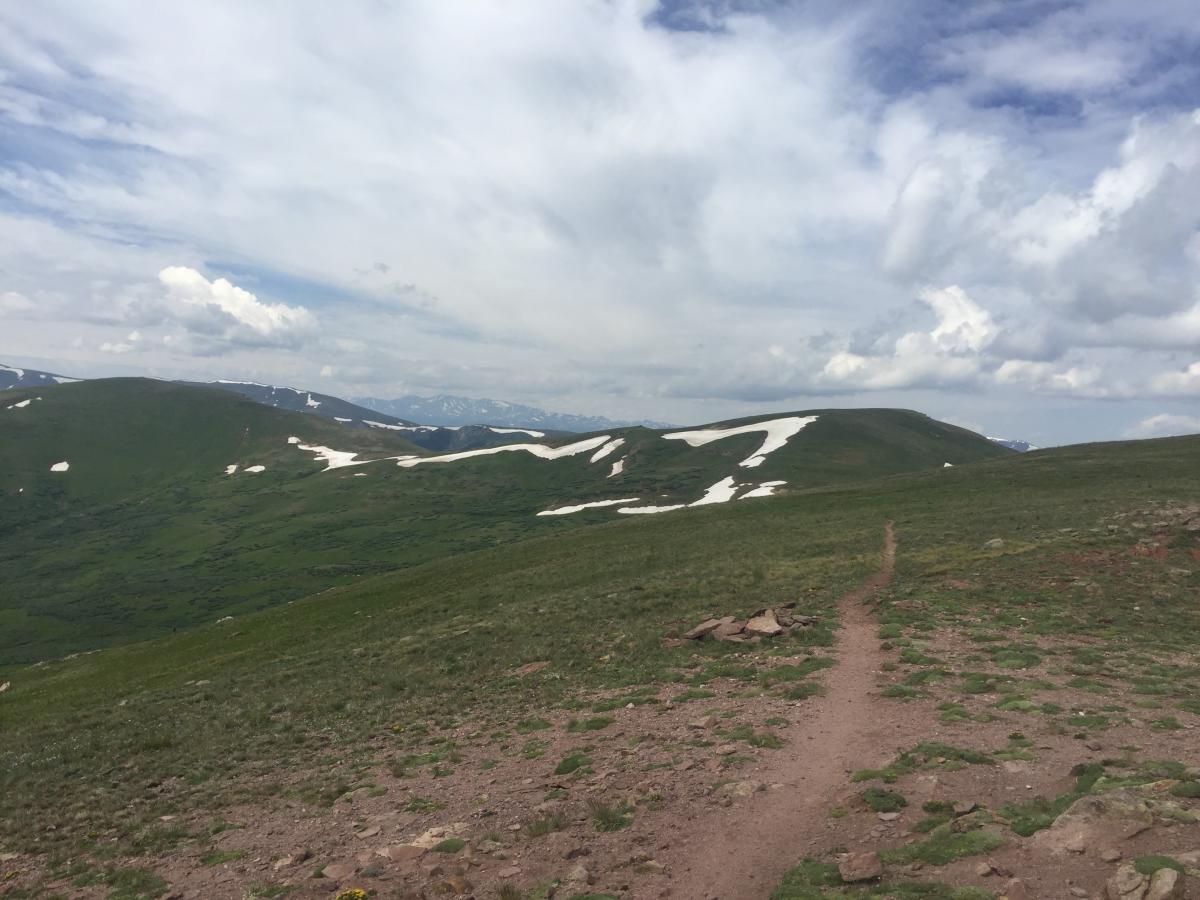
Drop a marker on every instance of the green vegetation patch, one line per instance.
(814, 880)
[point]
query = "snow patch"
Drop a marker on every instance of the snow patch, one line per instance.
(20, 373)
(60, 466)
(340, 419)
(644, 510)
(411, 427)
(63, 379)
(230, 469)
(607, 449)
(617, 468)
(311, 402)
(947, 465)
(766, 489)
(721, 492)
(564, 510)
(527, 431)
(293, 440)
(778, 432)
(256, 469)
(22, 404)
(541, 451)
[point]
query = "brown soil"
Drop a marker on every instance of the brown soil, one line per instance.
(745, 853)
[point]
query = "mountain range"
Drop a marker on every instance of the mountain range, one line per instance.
(448, 409)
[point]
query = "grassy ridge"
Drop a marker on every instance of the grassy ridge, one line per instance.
(146, 534)
(329, 677)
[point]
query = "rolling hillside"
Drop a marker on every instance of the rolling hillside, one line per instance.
(383, 700)
(128, 519)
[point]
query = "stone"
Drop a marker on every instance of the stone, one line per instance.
(1014, 889)
(701, 630)
(1076, 843)
(579, 875)
(764, 625)
(509, 872)
(455, 884)
(740, 788)
(1127, 884)
(338, 871)
(994, 544)
(963, 807)
(1111, 855)
(727, 630)
(1165, 884)
(489, 846)
(889, 816)
(283, 862)
(726, 750)
(703, 724)
(860, 867)
(983, 869)
(1077, 891)
(404, 852)
(367, 832)
(652, 867)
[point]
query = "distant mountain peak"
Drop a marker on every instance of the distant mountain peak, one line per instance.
(1019, 446)
(451, 409)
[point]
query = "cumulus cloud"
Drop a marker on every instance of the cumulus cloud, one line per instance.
(1164, 425)
(222, 310)
(947, 354)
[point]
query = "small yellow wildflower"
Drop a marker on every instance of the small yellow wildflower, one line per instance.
(352, 894)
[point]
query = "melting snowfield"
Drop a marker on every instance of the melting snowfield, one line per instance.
(60, 466)
(565, 510)
(23, 403)
(778, 431)
(541, 451)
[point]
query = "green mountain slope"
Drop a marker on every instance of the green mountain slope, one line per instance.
(313, 694)
(144, 532)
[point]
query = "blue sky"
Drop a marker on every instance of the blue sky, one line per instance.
(686, 211)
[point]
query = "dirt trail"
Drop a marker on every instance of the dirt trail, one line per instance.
(743, 852)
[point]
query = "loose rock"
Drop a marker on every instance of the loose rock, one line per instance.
(860, 867)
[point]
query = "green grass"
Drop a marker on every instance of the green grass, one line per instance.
(944, 846)
(610, 816)
(882, 800)
(814, 880)
(1151, 863)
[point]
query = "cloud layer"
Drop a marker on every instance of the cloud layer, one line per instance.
(684, 211)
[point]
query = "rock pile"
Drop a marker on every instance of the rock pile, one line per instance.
(768, 622)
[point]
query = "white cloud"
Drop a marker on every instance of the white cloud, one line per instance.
(1185, 383)
(219, 309)
(947, 354)
(1164, 425)
(1049, 378)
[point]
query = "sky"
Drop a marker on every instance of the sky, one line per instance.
(684, 210)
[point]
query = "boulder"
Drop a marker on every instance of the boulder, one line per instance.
(860, 867)
(1015, 889)
(1127, 884)
(1165, 884)
(764, 624)
(404, 852)
(994, 544)
(727, 630)
(702, 629)
(338, 871)
(579, 876)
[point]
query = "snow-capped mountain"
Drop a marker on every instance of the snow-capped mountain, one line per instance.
(11, 377)
(1019, 446)
(297, 400)
(447, 409)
